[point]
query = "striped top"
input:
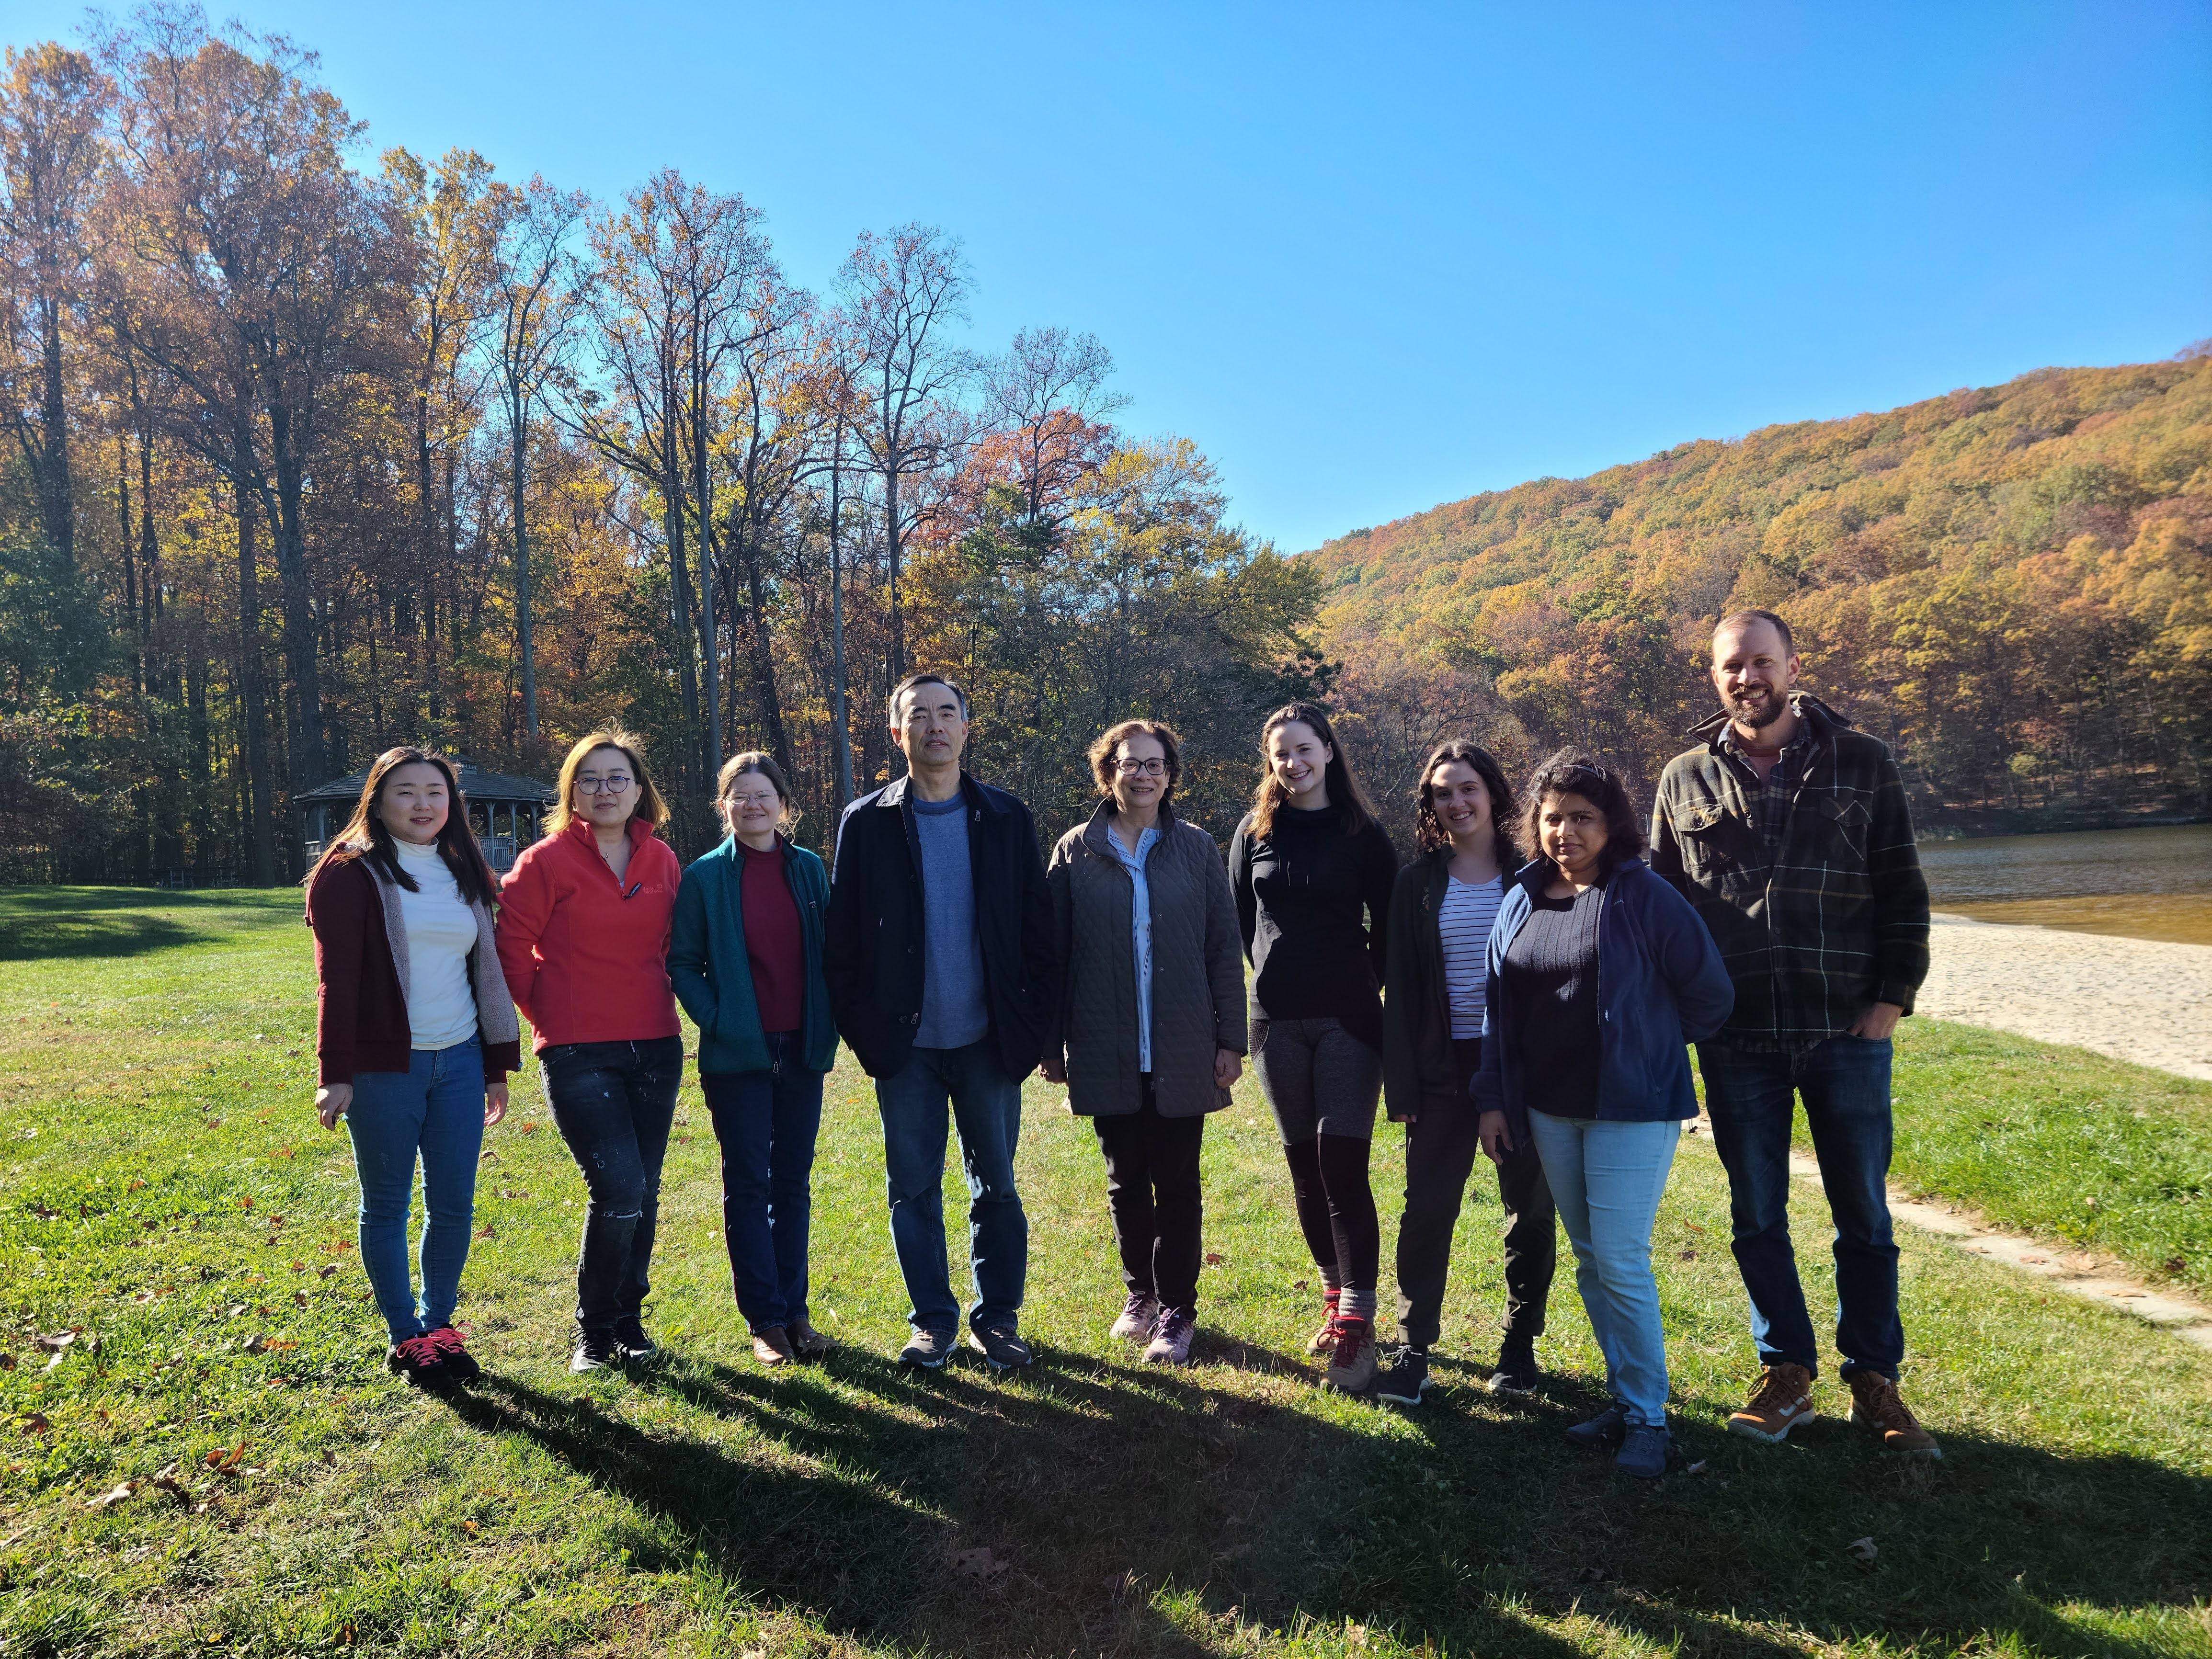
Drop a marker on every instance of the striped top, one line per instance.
(1463, 921)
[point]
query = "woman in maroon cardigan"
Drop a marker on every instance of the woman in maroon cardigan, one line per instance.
(414, 1035)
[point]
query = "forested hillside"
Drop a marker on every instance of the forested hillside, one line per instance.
(2013, 585)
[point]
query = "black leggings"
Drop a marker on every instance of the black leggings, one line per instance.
(1336, 1212)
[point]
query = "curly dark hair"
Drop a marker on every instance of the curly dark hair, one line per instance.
(1571, 772)
(1102, 753)
(1428, 832)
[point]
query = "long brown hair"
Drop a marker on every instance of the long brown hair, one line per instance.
(650, 806)
(1429, 833)
(1346, 800)
(367, 837)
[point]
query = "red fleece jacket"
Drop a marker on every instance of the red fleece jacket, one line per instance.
(586, 956)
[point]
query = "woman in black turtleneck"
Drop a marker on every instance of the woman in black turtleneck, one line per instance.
(1312, 871)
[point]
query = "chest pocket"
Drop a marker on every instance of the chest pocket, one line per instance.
(1718, 848)
(1847, 819)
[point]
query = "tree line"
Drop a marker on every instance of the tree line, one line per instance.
(312, 452)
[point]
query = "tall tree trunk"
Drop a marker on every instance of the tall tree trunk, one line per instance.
(301, 661)
(764, 656)
(896, 662)
(840, 722)
(130, 597)
(709, 651)
(522, 579)
(260, 794)
(57, 512)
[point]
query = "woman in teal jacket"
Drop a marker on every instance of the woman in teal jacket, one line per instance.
(744, 954)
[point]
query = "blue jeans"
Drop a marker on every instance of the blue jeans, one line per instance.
(767, 1122)
(434, 1108)
(1606, 1179)
(613, 1103)
(986, 1105)
(1845, 1083)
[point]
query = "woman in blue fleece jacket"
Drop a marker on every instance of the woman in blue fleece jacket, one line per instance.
(1600, 974)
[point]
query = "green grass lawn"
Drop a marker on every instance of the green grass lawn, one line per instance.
(166, 1194)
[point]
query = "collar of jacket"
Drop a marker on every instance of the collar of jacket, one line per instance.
(1536, 874)
(1101, 826)
(894, 793)
(1825, 720)
(639, 829)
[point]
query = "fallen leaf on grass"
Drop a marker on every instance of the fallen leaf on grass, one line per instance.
(235, 1312)
(1214, 1258)
(2175, 1264)
(282, 1152)
(257, 1342)
(326, 1270)
(529, 1126)
(1298, 1284)
(298, 1299)
(35, 1422)
(485, 1230)
(226, 1462)
(1698, 1468)
(166, 1481)
(1686, 1255)
(245, 1203)
(136, 1185)
(214, 1123)
(7, 1362)
(487, 1156)
(978, 1564)
(1862, 1551)
(113, 1495)
(54, 1344)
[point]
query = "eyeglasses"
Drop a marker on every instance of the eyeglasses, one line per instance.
(590, 784)
(768, 802)
(1153, 768)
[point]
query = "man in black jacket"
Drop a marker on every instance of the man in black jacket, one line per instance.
(940, 966)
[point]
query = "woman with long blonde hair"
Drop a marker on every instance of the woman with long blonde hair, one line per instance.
(414, 1039)
(583, 934)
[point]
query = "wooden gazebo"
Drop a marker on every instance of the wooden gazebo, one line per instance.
(504, 811)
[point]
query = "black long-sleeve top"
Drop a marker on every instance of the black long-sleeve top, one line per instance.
(1315, 904)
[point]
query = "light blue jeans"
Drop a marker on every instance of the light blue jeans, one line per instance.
(1606, 1179)
(434, 1108)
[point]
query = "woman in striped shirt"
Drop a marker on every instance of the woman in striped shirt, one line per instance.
(1441, 912)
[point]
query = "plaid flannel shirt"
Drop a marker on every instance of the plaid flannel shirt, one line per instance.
(1834, 917)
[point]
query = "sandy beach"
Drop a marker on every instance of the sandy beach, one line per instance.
(2136, 999)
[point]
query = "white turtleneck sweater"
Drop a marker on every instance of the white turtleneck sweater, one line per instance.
(441, 932)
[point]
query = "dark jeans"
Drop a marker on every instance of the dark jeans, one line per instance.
(986, 1105)
(613, 1103)
(1441, 1150)
(1152, 1193)
(767, 1122)
(1845, 1084)
(434, 1108)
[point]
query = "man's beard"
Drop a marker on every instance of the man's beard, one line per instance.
(1758, 716)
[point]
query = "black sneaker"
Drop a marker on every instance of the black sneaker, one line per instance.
(1405, 1378)
(1001, 1349)
(926, 1350)
(460, 1365)
(418, 1360)
(1517, 1375)
(595, 1351)
(1608, 1428)
(630, 1338)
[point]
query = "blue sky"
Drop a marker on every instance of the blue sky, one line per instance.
(1373, 258)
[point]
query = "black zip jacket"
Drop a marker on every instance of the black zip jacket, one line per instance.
(874, 955)
(1418, 1075)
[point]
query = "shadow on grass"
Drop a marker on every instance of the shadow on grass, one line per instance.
(42, 923)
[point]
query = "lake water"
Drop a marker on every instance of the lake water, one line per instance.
(2149, 883)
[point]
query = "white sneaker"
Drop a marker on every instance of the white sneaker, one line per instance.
(1139, 1314)
(1171, 1343)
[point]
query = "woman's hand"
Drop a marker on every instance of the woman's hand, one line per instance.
(331, 1102)
(1227, 1066)
(1054, 1069)
(1497, 1139)
(494, 1101)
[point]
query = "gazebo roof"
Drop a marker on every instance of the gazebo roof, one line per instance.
(477, 784)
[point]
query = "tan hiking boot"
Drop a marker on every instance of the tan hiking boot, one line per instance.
(1324, 1339)
(1877, 1407)
(772, 1347)
(1782, 1402)
(1351, 1362)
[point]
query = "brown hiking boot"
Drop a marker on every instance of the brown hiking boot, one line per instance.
(1782, 1402)
(772, 1347)
(1878, 1409)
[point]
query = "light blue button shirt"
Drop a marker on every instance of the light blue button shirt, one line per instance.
(1140, 931)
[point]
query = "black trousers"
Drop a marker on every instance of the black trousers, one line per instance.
(1153, 1194)
(613, 1103)
(1441, 1149)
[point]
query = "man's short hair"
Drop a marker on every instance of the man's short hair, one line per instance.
(1745, 618)
(912, 680)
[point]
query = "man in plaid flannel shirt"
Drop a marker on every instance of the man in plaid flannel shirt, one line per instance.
(1787, 829)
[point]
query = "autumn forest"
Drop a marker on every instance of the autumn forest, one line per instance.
(315, 448)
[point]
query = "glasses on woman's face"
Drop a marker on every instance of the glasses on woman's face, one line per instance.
(767, 802)
(1154, 767)
(592, 783)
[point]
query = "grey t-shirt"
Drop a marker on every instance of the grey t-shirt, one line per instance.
(953, 1012)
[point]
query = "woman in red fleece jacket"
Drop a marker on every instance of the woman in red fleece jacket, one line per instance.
(583, 935)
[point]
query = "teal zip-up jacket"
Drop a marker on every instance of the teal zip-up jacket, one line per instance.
(713, 976)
